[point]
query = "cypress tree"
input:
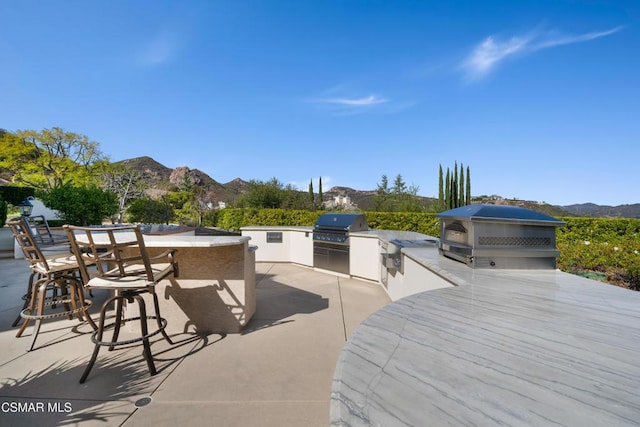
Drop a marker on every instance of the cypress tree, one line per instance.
(440, 189)
(461, 187)
(448, 191)
(454, 186)
(311, 195)
(457, 188)
(468, 189)
(320, 193)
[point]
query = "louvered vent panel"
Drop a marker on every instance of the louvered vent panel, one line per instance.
(514, 241)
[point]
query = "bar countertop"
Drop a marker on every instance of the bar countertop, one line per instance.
(503, 347)
(183, 241)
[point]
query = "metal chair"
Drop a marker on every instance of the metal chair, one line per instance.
(44, 234)
(38, 228)
(122, 265)
(51, 273)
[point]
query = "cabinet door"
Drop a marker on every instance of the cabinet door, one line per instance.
(364, 260)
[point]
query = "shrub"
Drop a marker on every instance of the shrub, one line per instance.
(81, 205)
(3, 212)
(15, 195)
(150, 211)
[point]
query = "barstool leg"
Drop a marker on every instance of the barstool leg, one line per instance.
(85, 309)
(118, 321)
(158, 318)
(42, 293)
(61, 283)
(32, 305)
(145, 331)
(98, 338)
(27, 299)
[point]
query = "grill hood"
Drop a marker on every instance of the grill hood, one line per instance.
(500, 213)
(342, 222)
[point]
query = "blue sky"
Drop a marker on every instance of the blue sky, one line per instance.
(541, 99)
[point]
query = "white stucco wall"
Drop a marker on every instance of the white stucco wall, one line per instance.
(40, 209)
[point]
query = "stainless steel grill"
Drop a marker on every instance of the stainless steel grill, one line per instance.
(499, 236)
(331, 240)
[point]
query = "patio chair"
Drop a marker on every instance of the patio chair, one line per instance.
(51, 273)
(48, 241)
(44, 235)
(121, 265)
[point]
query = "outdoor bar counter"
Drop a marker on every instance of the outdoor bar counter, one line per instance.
(508, 347)
(215, 289)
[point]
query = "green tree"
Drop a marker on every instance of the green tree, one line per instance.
(457, 190)
(15, 154)
(311, 195)
(408, 201)
(52, 158)
(461, 187)
(149, 211)
(262, 194)
(399, 186)
(293, 199)
(448, 190)
(468, 188)
(440, 189)
(380, 200)
(88, 205)
(399, 198)
(320, 197)
(454, 186)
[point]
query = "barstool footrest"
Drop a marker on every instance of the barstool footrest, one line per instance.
(25, 314)
(163, 321)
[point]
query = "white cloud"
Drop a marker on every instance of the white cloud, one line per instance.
(338, 104)
(490, 52)
(355, 102)
(161, 49)
(562, 40)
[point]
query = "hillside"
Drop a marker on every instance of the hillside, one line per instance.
(591, 209)
(160, 179)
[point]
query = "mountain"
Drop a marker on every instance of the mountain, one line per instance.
(160, 179)
(591, 209)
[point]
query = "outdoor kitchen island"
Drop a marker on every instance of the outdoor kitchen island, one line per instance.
(215, 289)
(464, 343)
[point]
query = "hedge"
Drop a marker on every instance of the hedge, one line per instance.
(15, 195)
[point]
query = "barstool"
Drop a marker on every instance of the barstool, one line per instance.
(46, 240)
(122, 265)
(53, 272)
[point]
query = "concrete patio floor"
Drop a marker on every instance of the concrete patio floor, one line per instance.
(278, 372)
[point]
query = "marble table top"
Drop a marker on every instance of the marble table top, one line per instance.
(536, 347)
